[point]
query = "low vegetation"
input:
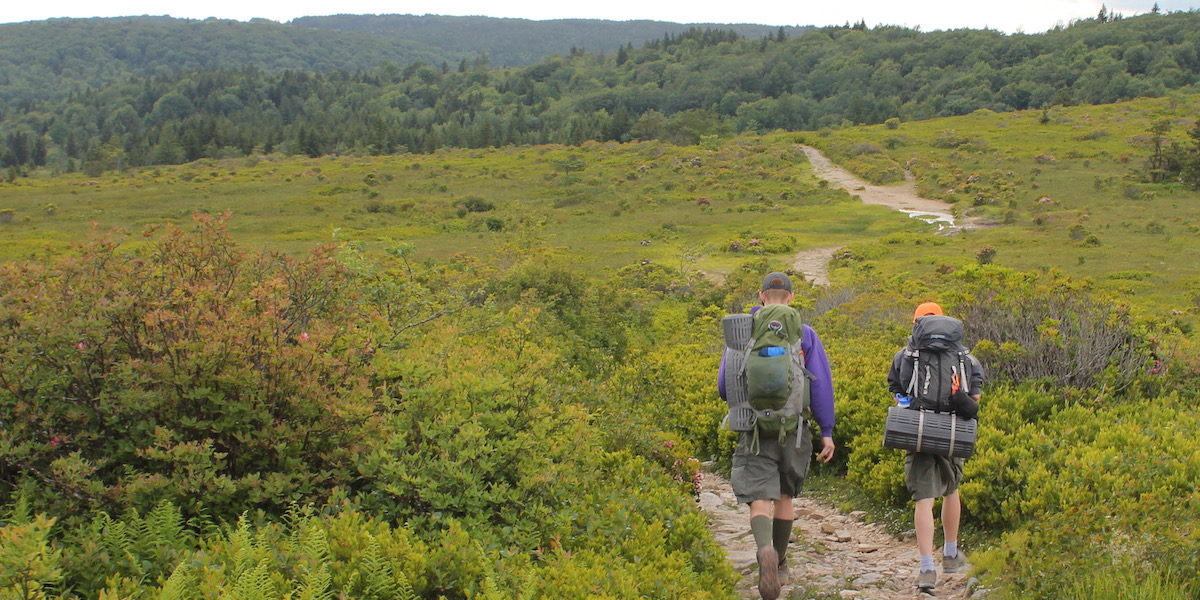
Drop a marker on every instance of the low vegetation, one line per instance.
(490, 373)
(1061, 197)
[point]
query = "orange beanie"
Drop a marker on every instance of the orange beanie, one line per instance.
(928, 308)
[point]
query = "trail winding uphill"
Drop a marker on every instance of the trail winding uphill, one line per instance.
(835, 555)
(831, 555)
(813, 262)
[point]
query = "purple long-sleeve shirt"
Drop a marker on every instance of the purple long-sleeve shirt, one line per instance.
(820, 388)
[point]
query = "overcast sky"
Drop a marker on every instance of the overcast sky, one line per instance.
(1029, 16)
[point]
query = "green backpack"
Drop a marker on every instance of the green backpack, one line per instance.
(777, 384)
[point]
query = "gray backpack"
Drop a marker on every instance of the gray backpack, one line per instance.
(766, 383)
(940, 363)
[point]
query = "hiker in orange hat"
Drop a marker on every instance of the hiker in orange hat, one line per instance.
(927, 308)
(912, 379)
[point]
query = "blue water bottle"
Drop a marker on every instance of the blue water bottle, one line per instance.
(903, 401)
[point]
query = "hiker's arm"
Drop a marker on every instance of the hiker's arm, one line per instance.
(821, 387)
(721, 375)
(894, 379)
(976, 389)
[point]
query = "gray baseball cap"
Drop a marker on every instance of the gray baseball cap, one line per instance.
(776, 281)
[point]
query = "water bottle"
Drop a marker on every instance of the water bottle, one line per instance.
(772, 351)
(903, 401)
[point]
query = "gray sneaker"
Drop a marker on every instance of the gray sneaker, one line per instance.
(784, 574)
(768, 573)
(926, 581)
(952, 564)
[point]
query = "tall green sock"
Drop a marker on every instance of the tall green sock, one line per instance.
(781, 532)
(761, 527)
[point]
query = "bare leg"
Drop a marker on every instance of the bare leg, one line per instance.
(923, 522)
(761, 508)
(784, 509)
(951, 515)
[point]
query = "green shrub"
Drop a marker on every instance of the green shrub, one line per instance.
(1097, 481)
(1051, 327)
(477, 204)
(193, 372)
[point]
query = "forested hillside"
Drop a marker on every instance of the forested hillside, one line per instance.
(679, 88)
(53, 58)
(522, 42)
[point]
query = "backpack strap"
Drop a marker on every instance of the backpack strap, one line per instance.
(740, 376)
(916, 363)
(746, 354)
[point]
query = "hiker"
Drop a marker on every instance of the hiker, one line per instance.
(931, 476)
(769, 468)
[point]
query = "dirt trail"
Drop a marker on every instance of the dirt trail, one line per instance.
(834, 555)
(903, 197)
(831, 554)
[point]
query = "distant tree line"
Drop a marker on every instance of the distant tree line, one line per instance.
(677, 88)
(49, 59)
(522, 42)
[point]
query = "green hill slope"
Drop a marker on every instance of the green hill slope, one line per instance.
(677, 88)
(51, 59)
(522, 42)
(1070, 189)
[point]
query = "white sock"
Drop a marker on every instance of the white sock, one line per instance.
(951, 549)
(927, 563)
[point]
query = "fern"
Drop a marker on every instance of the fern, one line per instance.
(316, 585)
(181, 585)
(120, 540)
(163, 527)
(489, 590)
(310, 544)
(404, 589)
(21, 512)
(298, 520)
(253, 584)
(314, 544)
(380, 579)
(247, 550)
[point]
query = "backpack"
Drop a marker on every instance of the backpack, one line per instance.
(939, 364)
(776, 382)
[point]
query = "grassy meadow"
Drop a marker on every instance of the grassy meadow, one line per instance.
(1065, 189)
(509, 410)
(1060, 189)
(607, 204)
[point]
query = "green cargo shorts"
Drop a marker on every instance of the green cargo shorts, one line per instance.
(932, 476)
(777, 469)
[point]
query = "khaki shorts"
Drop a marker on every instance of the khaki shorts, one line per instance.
(932, 476)
(777, 469)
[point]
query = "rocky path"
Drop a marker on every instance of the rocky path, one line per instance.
(832, 555)
(902, 197)
(813, 262)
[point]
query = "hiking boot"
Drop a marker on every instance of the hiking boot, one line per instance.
(953, 564)
(926, 581)
(768, 573)
(784, 574)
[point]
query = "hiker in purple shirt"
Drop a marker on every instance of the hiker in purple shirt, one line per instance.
(821, 387)
(769, 469)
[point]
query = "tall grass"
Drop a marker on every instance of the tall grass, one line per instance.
(1128, 583)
